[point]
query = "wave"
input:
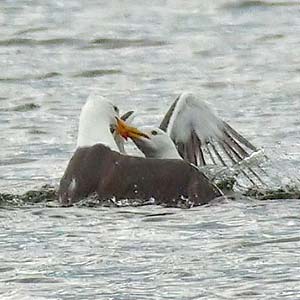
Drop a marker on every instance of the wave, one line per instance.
(47, 195)
(105, 43)
(109, 43)
(46, 42)
(259, 3)
(97, 73)
(30, 77)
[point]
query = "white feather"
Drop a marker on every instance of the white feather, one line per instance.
(195, 133)
(94, 124)
(159, 144)
(192, 114)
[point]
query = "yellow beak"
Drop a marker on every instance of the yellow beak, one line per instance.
(127, 131)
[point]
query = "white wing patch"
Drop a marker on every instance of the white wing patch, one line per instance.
(192, 114)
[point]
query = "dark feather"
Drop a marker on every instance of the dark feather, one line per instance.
(125, 116)
(166, 120)
(228, 129)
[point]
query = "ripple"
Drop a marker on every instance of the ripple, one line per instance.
(108, 43)
(32, 280)
(30, 77)
(273, 241)
(97, 73)
(35, 131)
(258, 3)
(147, 252)
(48, 75)
(216, 84)
(6, 269)
(47, 42)
(105, 43)
(16, 161)
(22, 107)
(268, 37)
(32, 29)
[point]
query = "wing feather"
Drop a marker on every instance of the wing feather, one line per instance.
(166, 120)
(202, 138)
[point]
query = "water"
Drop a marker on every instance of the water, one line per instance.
(241, 56)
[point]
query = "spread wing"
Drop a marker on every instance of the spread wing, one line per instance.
(202, 138)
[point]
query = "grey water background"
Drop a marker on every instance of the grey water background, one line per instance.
(241, 56)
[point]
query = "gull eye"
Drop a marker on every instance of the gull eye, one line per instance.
(154, 132)
(116, 109)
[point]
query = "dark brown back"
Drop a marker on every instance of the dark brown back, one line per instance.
(110, 174)
(168, 181)
(84, 170)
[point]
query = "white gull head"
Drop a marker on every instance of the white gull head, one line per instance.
(96, 118)
(159, 144)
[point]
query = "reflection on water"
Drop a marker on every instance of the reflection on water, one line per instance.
(240, 56)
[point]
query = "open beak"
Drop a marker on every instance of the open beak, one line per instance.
(127, 131)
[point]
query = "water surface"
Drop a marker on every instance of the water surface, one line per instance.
(240, 56)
